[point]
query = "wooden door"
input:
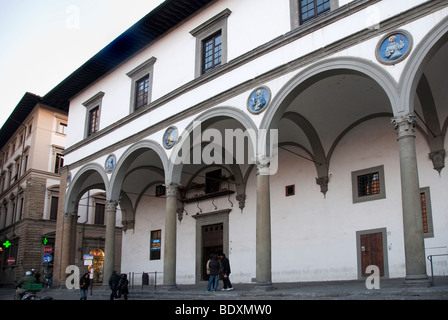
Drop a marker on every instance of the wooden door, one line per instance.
(372, 252)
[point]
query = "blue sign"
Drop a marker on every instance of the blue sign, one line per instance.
(47, 258)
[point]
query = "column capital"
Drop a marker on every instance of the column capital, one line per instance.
(68, 216)
(111, 205)
(171, 189)
(405, 125)
(263, 163)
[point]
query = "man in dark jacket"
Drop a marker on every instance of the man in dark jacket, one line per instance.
(113, 284)
(214, 274)
(225, 266)
(22, 284)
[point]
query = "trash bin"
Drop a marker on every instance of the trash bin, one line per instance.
(145, 279)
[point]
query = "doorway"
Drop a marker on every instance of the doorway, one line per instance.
(212, 236)
(212, 243)
(372, 250)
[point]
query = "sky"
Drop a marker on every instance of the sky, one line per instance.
(44, 41)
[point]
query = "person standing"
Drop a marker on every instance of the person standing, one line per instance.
(84, 284)
(113, 284)
(225, 266)
(214, 274)
(123, 286)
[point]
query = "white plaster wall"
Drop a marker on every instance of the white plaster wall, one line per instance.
(149, 216)
(241, 39)
(315, 237)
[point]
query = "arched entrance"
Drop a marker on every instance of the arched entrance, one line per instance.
(97, 265)
(211, 179)
(321, 115)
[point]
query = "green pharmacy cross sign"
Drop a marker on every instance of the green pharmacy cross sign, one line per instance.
(6, 244)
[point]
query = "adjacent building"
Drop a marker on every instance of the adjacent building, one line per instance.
(32, 142)
(304, 139)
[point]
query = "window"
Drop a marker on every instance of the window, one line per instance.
(310, 9)
(211, 43)
(368, 184)
(212, 52)
(290, 190)
(303, 11)
(94, 115)
(59, 162)
(141, 86)
(425, 198)
(142, 92)
(99, 213)
(93, 106)
(54, 208)
(156, 245)
(62, 128)
(160, 190)
(212, 181)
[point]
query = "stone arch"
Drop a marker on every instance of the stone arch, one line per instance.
(124, 162)
(208, 118)
(323, 69)
(355, 69)
(123, 169)
(91, 176)
(416, 63)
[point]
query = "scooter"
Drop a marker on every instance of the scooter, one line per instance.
(29, 295)
(31, 292)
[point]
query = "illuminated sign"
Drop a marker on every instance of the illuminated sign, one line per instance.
(155, 245)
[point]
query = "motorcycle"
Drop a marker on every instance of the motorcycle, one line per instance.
(31, 292)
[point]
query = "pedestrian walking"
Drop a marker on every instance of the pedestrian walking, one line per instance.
(214, 274)
(225, 267)
(113, 284)
(84, 284)
(49, 279)
(123, 286)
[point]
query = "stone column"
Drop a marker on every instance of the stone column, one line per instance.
(412, 209)
(263, 224)
(109, 248)
(169, 265)
(67, 244)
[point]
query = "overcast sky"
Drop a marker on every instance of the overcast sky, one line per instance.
(44, 41)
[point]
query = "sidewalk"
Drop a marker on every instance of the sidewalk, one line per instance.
(390, 289)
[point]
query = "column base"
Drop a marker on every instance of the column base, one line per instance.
(420, 281)
(165, 288)
(264, 286)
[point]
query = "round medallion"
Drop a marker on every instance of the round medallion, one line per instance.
(170, 137)
(259, 100)
(110, 163)
(394, 47)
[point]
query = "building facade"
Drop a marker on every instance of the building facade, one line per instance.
(32, 142)
(304, 139)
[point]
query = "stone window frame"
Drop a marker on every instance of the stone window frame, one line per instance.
(146, 69)
(90, 104)
(379, 196)
(214, 25)
(295, 13)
